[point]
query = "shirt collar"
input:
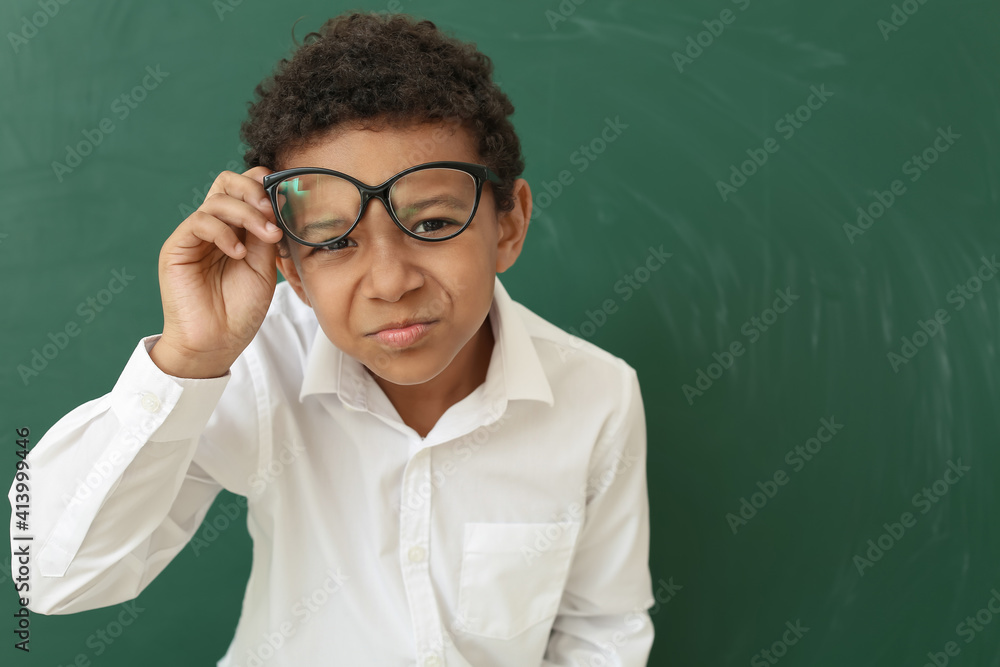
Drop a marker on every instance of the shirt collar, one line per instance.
(515, 372)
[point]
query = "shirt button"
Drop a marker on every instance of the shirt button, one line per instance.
(432, 661)
(150, 403)
(417, 554)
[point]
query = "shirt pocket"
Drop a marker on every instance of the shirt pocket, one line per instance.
(512, 575)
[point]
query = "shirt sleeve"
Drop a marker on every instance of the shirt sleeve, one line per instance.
(603, 611)
(115, 492)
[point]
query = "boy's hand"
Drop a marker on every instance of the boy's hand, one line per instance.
(216, 293)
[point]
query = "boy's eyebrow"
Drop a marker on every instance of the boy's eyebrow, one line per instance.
(323, 224)
(448, 200)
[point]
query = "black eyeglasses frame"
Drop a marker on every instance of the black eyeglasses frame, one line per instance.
(480, 173)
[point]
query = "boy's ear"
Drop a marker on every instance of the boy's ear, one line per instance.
(513, 226)
(290, 270)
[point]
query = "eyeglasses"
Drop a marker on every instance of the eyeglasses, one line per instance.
(434, 201)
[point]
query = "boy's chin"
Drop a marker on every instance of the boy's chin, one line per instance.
(398, 369)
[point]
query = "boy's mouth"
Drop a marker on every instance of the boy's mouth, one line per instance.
(401, 334)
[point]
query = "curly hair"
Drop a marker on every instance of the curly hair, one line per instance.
(378, 68)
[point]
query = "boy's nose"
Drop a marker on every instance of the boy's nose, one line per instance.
(389, 273)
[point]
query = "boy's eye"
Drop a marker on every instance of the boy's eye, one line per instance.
(429, 227)
(339, 245)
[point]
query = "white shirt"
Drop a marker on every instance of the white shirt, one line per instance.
(516, 533)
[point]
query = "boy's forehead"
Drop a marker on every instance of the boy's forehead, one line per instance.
(373, 153)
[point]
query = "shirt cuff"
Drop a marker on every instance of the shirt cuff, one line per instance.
(147, 398)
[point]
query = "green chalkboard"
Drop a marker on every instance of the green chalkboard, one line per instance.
(783, 215)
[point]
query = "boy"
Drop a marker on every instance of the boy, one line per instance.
(434, 474)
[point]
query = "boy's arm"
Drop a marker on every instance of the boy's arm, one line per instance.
(609, 588)
(114, 492)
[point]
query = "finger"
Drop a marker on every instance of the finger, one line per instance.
(257, 173)
(242, 215)
(246, 187)
(201, 227)
(260, 254)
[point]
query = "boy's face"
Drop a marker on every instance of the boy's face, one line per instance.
(382, 276)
